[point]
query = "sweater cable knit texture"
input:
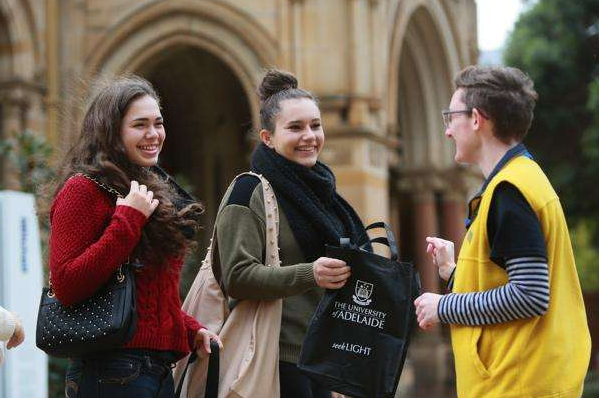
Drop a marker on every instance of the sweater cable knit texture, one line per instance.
(90, 238)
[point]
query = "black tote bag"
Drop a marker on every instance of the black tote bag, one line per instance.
(357, 340)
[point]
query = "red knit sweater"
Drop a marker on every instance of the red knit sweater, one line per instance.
(89, 239)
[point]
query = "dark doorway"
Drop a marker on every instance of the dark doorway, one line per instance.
(208, 122)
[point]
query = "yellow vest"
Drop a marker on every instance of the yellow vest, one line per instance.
(546, 356)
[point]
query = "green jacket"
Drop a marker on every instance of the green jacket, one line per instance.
(241, 236)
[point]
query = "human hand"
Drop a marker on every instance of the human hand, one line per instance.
(140, 199)
(426, 310)
(202, 342)
(330, 273)
(18, 335)
(442, 253)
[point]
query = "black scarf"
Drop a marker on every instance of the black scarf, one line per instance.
(181, 200)
(308, 197)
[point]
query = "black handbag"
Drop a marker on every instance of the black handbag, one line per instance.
(103, 322)
(357, 340)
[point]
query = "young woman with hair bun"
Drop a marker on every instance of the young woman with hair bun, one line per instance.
(311, 214)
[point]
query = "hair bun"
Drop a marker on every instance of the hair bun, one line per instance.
(275, 81)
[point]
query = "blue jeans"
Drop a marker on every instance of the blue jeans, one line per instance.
(123, 374)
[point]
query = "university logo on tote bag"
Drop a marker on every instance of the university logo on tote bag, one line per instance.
(357, 340)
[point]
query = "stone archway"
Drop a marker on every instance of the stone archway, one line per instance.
(207, 119)
(204, 59)
(19, 27)
(438, 32)
(192, 37)
(423, 91)
(426, 60)
(224, 30)
(425, 183)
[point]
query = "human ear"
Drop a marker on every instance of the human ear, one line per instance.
(477, 119)
(266, 138)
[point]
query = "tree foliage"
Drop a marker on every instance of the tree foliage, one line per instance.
(29, 156)
(587, 256)
(557, 43)
(552, 43)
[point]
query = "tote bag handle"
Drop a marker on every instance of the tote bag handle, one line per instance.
(388, 241)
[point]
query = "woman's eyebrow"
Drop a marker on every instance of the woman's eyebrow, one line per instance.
(144, 119)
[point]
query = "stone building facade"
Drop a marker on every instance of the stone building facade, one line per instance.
(382, 70)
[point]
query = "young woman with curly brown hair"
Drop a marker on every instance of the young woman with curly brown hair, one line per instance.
(152, 224)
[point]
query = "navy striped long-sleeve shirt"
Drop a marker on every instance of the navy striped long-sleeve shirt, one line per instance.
(517, 244)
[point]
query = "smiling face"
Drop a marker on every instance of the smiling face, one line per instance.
(142, 131)
(298, 132)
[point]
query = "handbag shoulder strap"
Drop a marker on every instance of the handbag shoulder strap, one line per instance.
(102, 185)
(110, 190)
(271, 210)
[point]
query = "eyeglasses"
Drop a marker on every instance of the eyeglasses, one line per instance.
(447, 113)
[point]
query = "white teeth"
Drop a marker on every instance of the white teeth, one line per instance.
(306, 148)
(148, 147)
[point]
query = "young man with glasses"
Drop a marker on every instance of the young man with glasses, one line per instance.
(517, 318)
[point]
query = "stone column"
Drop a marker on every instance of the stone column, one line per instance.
(360, 165)
(453, 208)
(425, 224)
(350, 92)
(395, 214)
(430, 353)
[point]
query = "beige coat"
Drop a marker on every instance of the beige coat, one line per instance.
(249, 360)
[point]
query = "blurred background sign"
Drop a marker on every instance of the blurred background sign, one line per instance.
(24, 374)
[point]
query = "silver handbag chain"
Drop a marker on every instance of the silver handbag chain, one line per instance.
(100, 183)
(120, 275)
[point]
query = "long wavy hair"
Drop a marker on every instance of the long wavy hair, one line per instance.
(99, 152)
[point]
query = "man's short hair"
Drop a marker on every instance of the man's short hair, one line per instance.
(505, 94)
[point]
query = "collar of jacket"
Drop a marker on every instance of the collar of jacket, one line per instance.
(518, 150)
